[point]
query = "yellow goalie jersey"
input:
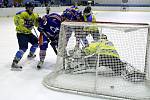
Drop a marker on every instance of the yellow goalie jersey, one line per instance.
(103, 47)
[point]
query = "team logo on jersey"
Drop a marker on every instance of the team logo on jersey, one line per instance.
(54, 29)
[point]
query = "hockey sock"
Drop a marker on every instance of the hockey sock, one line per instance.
(42, 55)
(19, 54)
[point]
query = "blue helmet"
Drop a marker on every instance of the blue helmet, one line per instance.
(68, 14)
(71, 14)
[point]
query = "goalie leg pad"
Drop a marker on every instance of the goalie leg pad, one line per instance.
(132, 74)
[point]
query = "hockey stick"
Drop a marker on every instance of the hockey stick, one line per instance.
(35, 32)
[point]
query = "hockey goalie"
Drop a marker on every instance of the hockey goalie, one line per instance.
(98, 55)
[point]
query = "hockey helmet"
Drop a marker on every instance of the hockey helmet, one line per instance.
(87, 11)
(29, 5)
(67, 15)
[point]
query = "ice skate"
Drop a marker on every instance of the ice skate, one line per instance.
(31, 55)
(40, 63)
(15, 67)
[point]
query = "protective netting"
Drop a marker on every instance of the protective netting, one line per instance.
(102, 59)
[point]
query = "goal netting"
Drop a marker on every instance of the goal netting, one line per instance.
(103, 59)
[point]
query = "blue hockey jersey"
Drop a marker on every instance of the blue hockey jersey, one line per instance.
(50, 25)
(72, 13)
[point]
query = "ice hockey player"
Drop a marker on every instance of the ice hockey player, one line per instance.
(49, 27)
(93, 30)
(106, 51)
(25, 21)
(109, 57)
(72, 14)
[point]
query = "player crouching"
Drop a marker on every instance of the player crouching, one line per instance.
(49, 31)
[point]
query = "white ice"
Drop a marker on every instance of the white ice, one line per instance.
(27, 84)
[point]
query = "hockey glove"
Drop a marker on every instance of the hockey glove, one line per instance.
(40, 29)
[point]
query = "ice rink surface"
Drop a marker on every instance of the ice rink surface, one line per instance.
(27, 84)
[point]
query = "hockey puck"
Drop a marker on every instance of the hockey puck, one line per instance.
(112, 87)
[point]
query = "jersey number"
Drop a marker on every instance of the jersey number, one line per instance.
(54, 29)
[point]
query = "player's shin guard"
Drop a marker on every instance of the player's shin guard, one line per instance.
(19, 54)
(132, 74)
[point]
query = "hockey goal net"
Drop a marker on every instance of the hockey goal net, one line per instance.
(106, 59)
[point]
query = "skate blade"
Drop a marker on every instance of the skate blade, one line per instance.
(16, 69)
(31, 57)
(39, 67)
